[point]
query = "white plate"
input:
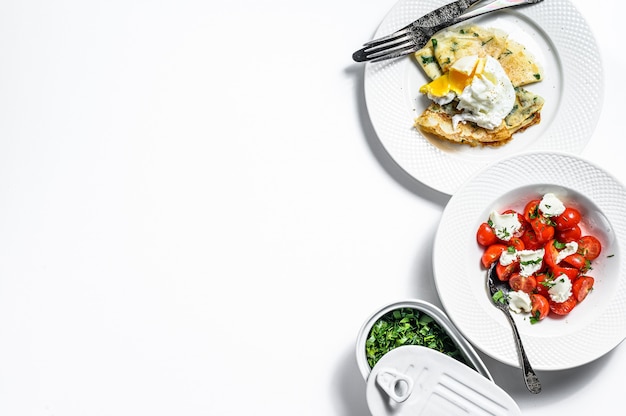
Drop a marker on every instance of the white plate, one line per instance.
(553, 31)
(597, 324)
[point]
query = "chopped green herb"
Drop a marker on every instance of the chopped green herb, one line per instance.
(499, 297)
(537, 76)
(428, 60)
(535, 317)
(434, 42)
(535, 261)
(407, 326)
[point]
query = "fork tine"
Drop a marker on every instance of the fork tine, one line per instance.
(395, 35)
(384, 49)
(396, 53)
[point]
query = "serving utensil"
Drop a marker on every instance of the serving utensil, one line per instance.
(495, 285)
(414, 36)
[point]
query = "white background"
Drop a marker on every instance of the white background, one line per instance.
(196, 216)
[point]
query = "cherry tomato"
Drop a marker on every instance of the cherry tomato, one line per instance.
(582, 286)
(569, 218)
(590, 247)
(530, 240)
(492, 254)
(551, 253)
(543, 230)
(563, 308)
(568, 235)
(504, 272)
(576, 260)
(524, 283)
(540, 306)
(531, 210)
(517, 243)
(543, 280)
(570, 272)
(485, 235)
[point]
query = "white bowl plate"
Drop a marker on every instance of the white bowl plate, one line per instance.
(596, 325)
(559, 38)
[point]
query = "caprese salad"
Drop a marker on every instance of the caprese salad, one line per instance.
(544, 253)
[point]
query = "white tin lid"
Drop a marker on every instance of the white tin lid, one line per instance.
(415, 380)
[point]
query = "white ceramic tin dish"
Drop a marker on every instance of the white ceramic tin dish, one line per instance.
(438, 316)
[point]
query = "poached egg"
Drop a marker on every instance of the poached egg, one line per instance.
(484, 91)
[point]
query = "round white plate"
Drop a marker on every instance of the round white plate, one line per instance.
(559, 38)
(596, 325)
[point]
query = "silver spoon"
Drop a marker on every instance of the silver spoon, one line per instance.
(494, 284)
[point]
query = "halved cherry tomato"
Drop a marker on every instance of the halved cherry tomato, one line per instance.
(524, 283)
(531, 210)
(576, 260)
(569, 218)
(530, 240)
(505, 272)
(492, 254)
(543, 284)
(570, 272)
(550, 254)
(517, 243)
(568, 235)
(485, 235)
(563, 308)
(582, 286)
(540, 306)
(543, 230)
(590, 247)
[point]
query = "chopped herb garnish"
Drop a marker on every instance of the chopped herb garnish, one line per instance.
(537, 76)
(548, 281)
(535, 261)
(428, 60)
(499, 297)
(407, 326)
(535, 317)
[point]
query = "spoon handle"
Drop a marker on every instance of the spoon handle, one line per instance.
(530, 378)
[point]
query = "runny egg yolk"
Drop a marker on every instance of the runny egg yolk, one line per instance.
(457, 78)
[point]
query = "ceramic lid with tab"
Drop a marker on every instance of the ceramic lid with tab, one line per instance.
(415, 380)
